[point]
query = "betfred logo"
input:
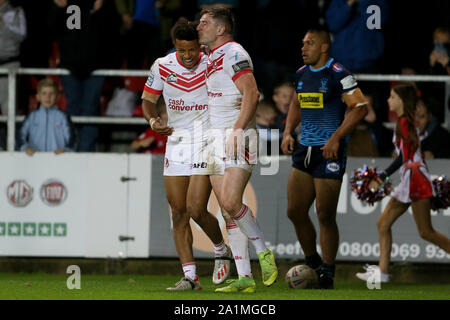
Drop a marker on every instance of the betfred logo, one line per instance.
(53, 192)
(19, 193)
(202, 165)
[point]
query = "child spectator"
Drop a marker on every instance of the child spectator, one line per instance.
(435, 143)
(150, 141)
(47, 128)
(265, 119)
(282, 95)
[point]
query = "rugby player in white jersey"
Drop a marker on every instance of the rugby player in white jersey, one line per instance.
(180, 77)
(233, 95)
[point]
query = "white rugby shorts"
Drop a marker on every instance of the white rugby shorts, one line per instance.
(184, 158)
(217, 160)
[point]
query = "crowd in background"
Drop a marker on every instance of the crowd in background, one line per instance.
(131, 34)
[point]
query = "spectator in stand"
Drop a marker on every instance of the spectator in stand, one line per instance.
(46, 129)
(82, 51)
(150, 141)
(265, 120)
(13, 30)
(272, 22)
(357, 47)
(439, 57)
(434, 139)
(282, 95)
(438, 65)
(141, 27)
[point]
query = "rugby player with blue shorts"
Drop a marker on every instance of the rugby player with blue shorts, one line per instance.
(328, 104)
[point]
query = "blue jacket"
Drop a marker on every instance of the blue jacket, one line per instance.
(355, 45)
(47, 129)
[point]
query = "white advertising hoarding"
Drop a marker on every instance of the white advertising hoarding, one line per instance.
(74, 205)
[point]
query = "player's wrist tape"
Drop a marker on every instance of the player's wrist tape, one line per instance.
(151, 122)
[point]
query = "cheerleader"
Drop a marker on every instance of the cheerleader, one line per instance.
(415, 186)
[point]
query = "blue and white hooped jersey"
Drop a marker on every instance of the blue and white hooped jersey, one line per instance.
(319, 92)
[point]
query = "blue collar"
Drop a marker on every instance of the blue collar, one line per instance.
(327, 65)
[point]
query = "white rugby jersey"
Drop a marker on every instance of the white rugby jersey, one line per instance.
(226, 64)
(184, 91)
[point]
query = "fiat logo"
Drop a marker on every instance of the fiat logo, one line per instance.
(53, 192)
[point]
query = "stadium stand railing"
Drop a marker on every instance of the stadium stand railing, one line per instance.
(12, 74)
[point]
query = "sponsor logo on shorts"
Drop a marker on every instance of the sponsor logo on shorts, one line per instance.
(199, 165)
(333, 167)
(166, 162)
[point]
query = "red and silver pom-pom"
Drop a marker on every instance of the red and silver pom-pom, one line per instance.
(441, 200)
(360, 185)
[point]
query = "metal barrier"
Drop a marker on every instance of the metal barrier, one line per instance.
(11, 118)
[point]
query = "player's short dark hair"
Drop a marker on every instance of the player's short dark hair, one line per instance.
(223, 16)
(184, 30)
(322, 31)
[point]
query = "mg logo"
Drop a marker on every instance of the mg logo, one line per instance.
(19, 193)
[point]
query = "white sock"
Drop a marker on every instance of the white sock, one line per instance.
(384, 276)
(189, 270)
(249, 226)
(220, 249)
(239, 247)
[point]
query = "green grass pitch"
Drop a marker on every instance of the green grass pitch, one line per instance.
(30, 286)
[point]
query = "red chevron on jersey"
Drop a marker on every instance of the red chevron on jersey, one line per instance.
(164, 71)
(176, 80)
(214, 66)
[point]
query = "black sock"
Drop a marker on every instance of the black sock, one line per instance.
(328, 270)
(313, 261)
